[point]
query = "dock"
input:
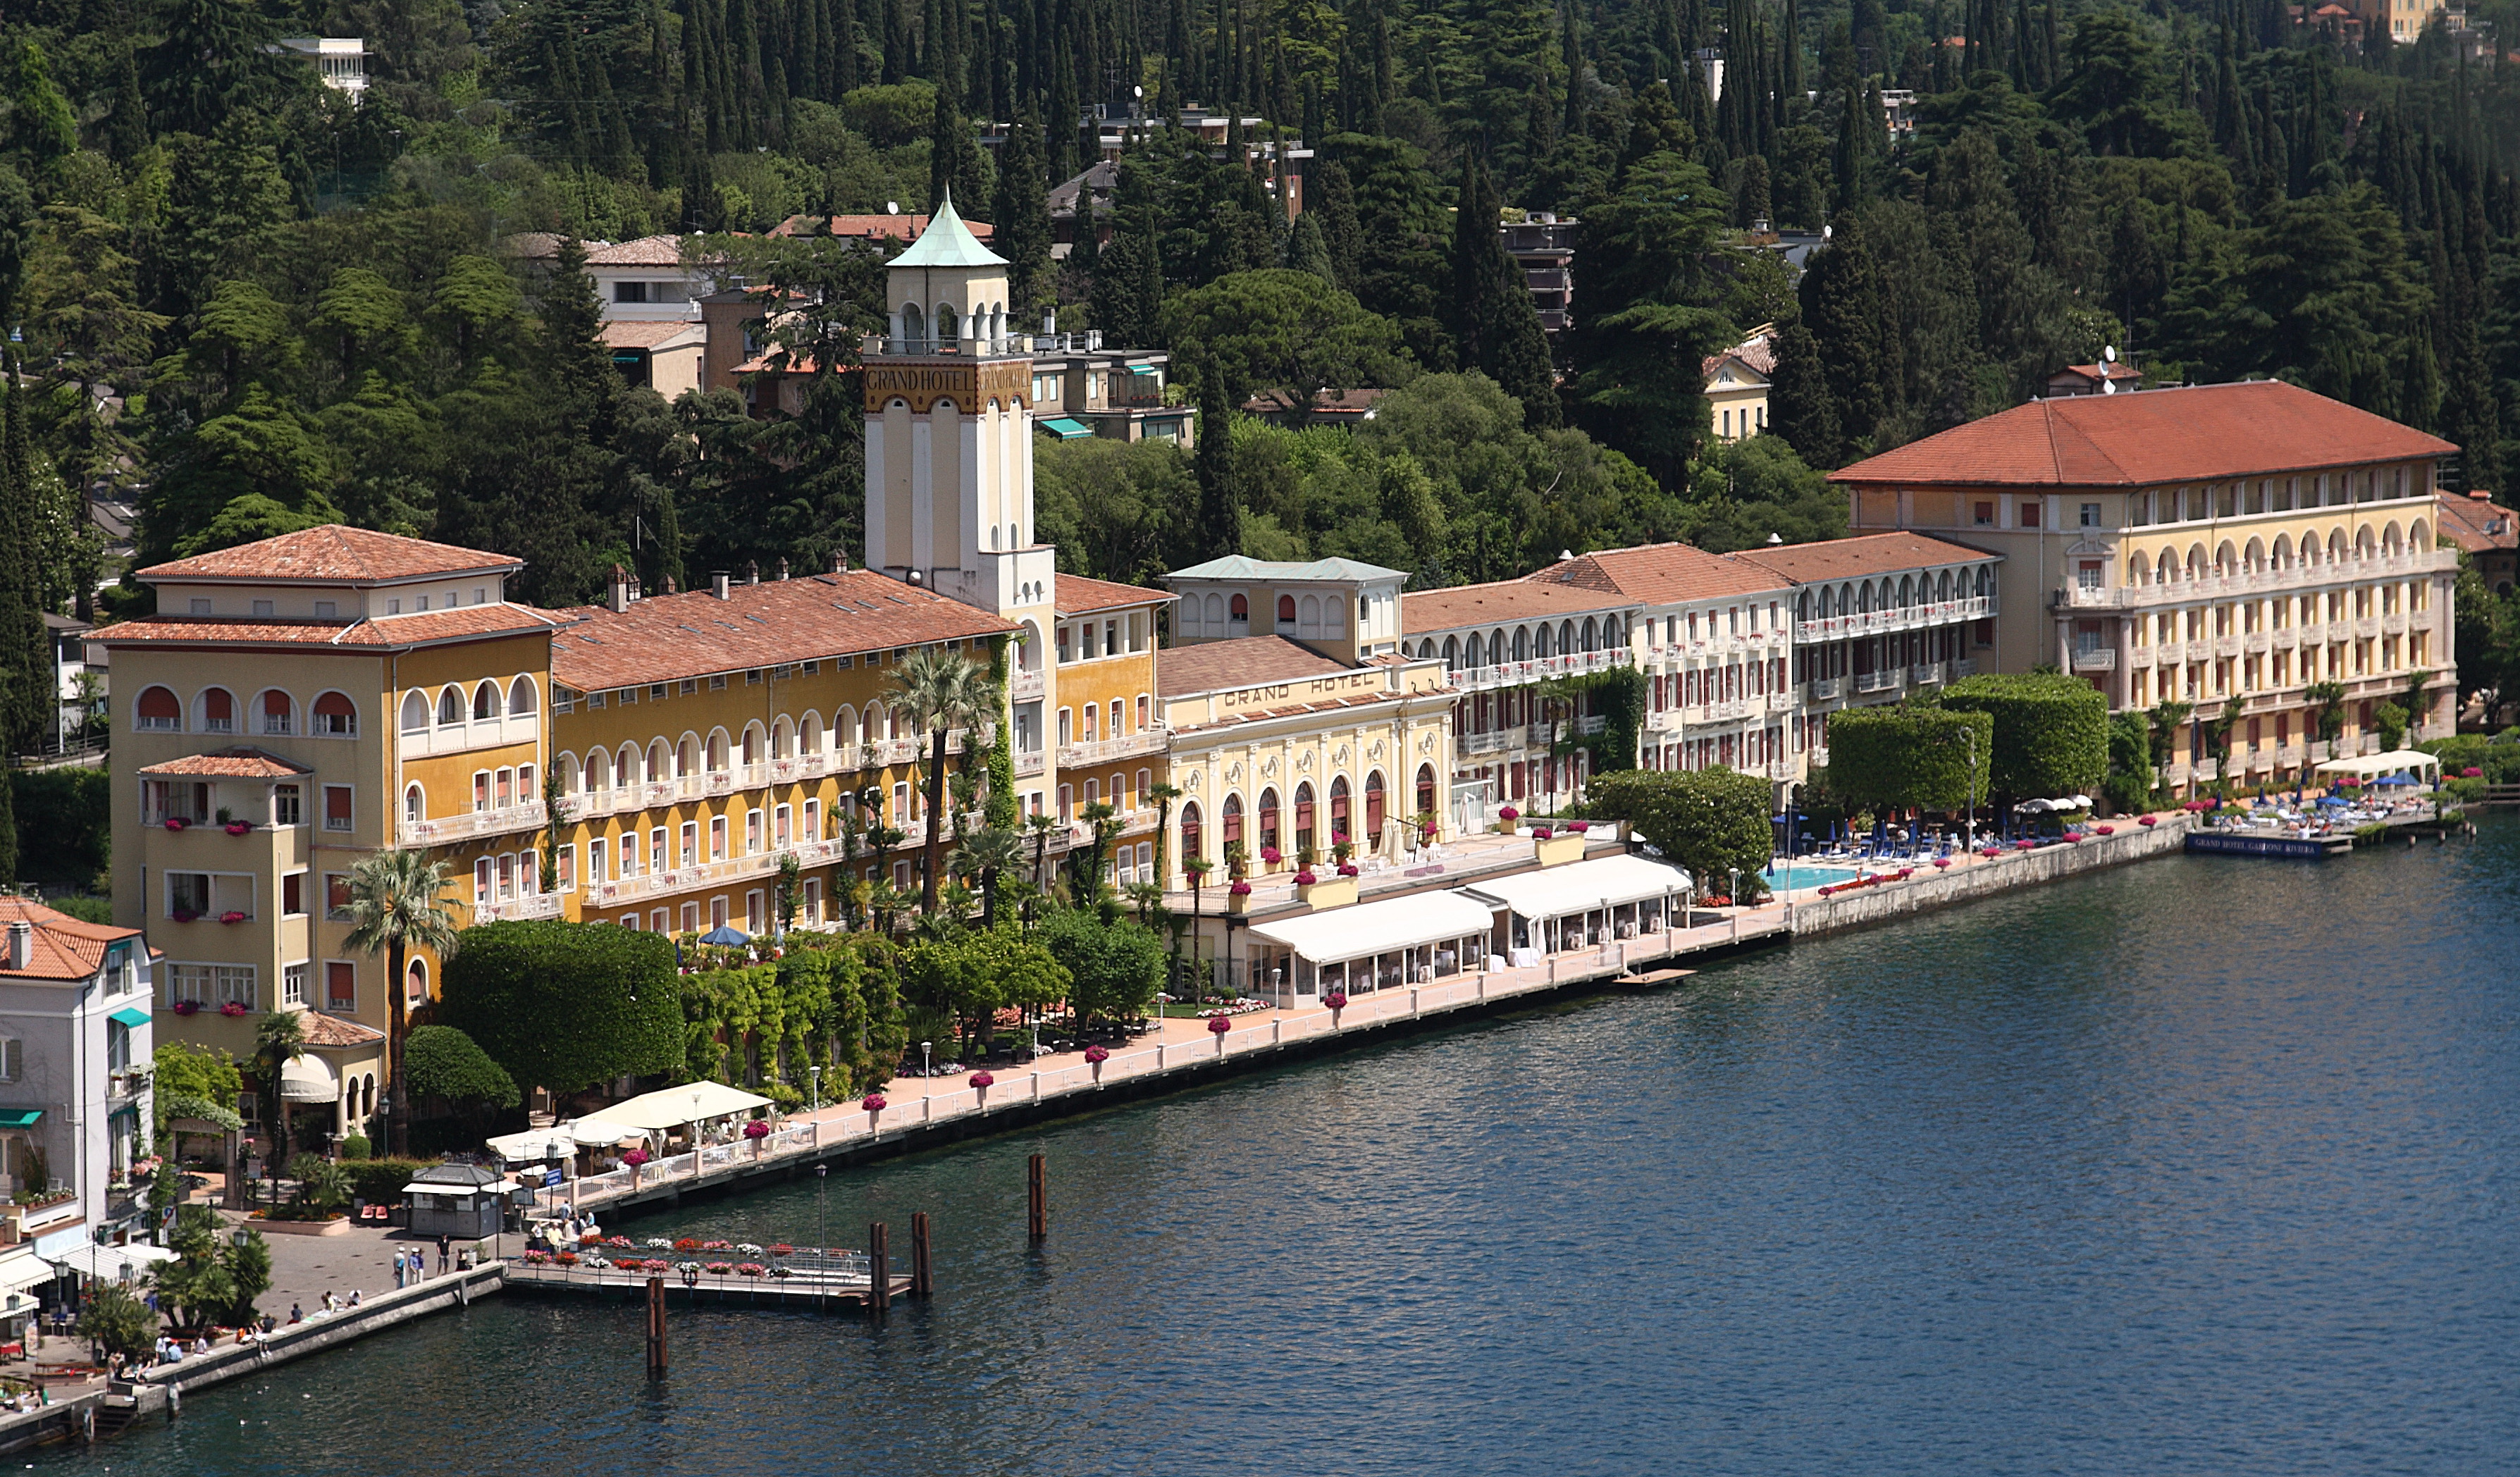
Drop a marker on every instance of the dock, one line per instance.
(806, 1290)
(2266, 843)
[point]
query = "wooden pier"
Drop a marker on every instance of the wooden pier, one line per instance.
(806, 1290)
(2266, 843)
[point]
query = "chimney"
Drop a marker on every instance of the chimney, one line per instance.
(616, 594)
(753, 571)
(22, 944)
(719, 581)
(840, 561)
(783, 567)
(669, 584)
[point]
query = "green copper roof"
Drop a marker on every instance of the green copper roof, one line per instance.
(1239, 566)
(948, 243)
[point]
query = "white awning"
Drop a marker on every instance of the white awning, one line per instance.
(112, 1262)
(1556, 891)
(309, 1079)
(538, 1144)
(672, 1107)
(2389, 763)
(22, 1271)
(1366, 929)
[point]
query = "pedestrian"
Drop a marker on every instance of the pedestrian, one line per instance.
(297, 1315)
(444, 1242)
(399, 1266)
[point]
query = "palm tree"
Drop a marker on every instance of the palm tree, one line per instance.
(279, 1039)
(396, 905)
(988, 853)
(941, 691)
(1163, 793)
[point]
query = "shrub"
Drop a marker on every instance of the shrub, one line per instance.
(2052, 731)
(1910, 756)
(380, 1182)
(1712, 821)
(442, 1061)
(566, 1005)
(356, 1146)
(1116, 967)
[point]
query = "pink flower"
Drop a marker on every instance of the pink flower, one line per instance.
(1272, 855)
(1540, 832)
(1347, 868)
(873, 1102)
(1579, 826)
(756, 1129)
(1507, 813)
(983, 1079)
(1305, 878)
(1240, 889)
(1336, 999)
(634, 1159)
(1218, 1025)
(1098, 1053)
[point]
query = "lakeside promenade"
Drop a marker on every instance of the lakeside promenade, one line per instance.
(925, 1112)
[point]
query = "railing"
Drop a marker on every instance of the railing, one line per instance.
(2393, 624)
(1818, 756)
(1901, 618)
(1927, 672)
(1663, 721)
(2170, 654)
(1827, 689)
(703, 874)
(2096, 660)
(1877, 682)
(1147, 741)
(533, 904)
(2255, 642)
(455, 738)
(478, 822)
(1590, 725)
(1029, 762)
(1498, 742)
(2227, 646)
(2367, 626)
(1780, 701)
(1025, 684)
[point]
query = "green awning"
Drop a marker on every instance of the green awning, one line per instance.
(130, 1015)
(20, 1117)
(1066, 429)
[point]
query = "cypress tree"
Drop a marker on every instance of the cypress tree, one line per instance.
(1333, 201)
(25, 662)
(844, 49)
(1220, 501)
(1307, 252)
(1799, 406)
(953, 157)
(1495, 327)
(1022, 212)
(126, 127)
(1128, 276)
(1841, 303)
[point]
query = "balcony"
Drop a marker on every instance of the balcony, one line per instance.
(2393, 624)
(1497, 743)
(1731, 710)
(1818, 756)
(1662, 720)
(1105, 750)
(1591, 724)
(1025, 684)
(2367, 627)
(458, 738)
(1926, 673)
(1904, 618)
(479, 822)
(1877, 682)
(2227, 646)
(533, 904)
(2096, 660)
(1030, 762)
(2255, 642)
(2170, 654)
(887, 752)
(1964, 666)
(675, 879)
(1827, 689)
(1780, 703)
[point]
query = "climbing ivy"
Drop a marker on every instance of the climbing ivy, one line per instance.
(1621, 692)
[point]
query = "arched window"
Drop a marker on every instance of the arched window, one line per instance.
(625, 767)
(418, 973)
(751, 744)
(274, 712)
(1453, 653)
(525, 699)
(1592, 635)
(1216, 611)
(1540, 642)
(485, 701)
(1565, 636)
(1304, 815)
(1285, 616)
(1268, 819)
(684, 757)
(336, 716)
(450, 708)
(914, 326)
(414, 713)
(1425, 790)
(1239, 613)
(946, 328)
(717, 751)
(1309, 620)
(414, 804)
(1522, 642)
(874, 729)
(1233, 820)
(1189, 831)
(216, 712)
(158, 711)
(656, 766)
(599, 772)
(1373, 809)
(1339, 830)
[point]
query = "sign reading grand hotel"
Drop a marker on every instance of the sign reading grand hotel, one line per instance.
(971, 384)
(1279, 694)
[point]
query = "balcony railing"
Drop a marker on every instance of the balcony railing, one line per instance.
(1029, 762)
(479, 822)
(1591, 724)
(1148, 740)
(1827, 689)
(1925, 673)
(532, 905)
(1497, 743)
(733, 870)
(1023, 684)
(1901, 618)
(2096, 660)
(1877, 682)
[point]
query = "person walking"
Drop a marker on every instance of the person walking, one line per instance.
(400, 1266)
(445, 1243)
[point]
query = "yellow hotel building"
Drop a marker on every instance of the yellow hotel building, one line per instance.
(2214, 545)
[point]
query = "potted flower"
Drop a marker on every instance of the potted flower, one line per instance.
(981, 1082)
(1347, 868)
(232, 1008)
(2147, 823)
(718, 1268)
(758, 1129)
(1541, 832)
(240, 827)
(1578, 827)
(184, 914)
(1217, 1026)
(232, 915)
(1941, 863)
(782, 1249)
(1095, 1056)
(187, 1007)
(1305, 878)
(1507, 816)
(176, 823)
(565, 1258)
(1271, 856)
(1238, 896)
(635, 1159)
(872, 1102)
(2106, 830)
(751, 1270)
(1336, 999)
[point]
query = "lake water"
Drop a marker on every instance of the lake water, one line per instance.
(2201, 1166)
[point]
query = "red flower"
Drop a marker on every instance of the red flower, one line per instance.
(1218, 1025)
(1336, 999)
(1241, 890)
(756, 1129)
(1098, 1053)
(983, 1079)
(1305, 878)
(873, 1102)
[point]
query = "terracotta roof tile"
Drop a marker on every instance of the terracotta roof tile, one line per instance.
(884, 227)
(61, 947)
(2194, 434)
(646, 251)
(1460, 605)
(1208, 666)
(2472, 524)
(631, 334)
(667, 638)
(1660, 573)
(324, 1030)
(1077, 596)
(334, 553)
(384, 633)
(231, 764)
(1859, 556)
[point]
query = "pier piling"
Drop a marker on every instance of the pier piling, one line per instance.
(880, 1265)
(655, 1327)
(922, 1258)
(1037, 1200)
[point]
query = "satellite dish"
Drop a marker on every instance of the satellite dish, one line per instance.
(1564, 554)
(2109, 354)
(2108, 386)
(1776, 538)
(892, 208)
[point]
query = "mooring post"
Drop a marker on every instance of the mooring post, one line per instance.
(656, 1328)
(880, 1285)
(1037, 1200)
(922, 1256)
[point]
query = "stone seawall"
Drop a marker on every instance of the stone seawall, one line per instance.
(1929, 889)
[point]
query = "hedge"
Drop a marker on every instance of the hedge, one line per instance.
(380, 1182)
(1907, 757)
(2051, 730)
(442, 1061)
(566, 1005)
(1713, 821)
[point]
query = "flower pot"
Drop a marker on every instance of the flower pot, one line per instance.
(1237, 901)
(239, 828)
(1327, 892)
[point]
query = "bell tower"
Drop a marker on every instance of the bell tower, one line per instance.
(949, 430)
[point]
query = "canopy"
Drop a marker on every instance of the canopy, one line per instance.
(309, 1079)
(21, 1117)
(1556, 891)
(130, 1015)
(672, 1107)
(1065, 429)
(726, 935)
(114, 1262)
(1367, 929)
(2389, 763)
(602, 1133)
(535, 1144)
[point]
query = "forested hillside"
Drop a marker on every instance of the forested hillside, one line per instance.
(253, 304)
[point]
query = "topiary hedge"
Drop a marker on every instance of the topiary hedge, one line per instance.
(1910, 756)
(2052, 731)
(1713, 821)
(380, 1182)
(566, 1005)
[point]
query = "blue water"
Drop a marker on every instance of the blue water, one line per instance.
(2201, 1166)
(1802, 875)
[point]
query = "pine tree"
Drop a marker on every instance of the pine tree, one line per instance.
(1799, 405)
(1495, 327)
(1220, 500)
(1021, 213)
(25, 658)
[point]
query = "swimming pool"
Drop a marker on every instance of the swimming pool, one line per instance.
(1806, 874)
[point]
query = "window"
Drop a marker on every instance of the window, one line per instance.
(293, 984)
(13, 1058)
(657, 851)
(277, 711)
(292, 894)
(158, 711)
(340, 985)
(783, 825)
(2090, 516)
(336, 717)
(629, 292)
(218, 711)
(565, 863)
(285, 809)
(188, 894)
(326, 610)
(337, 807)
(235, 984)
(691, 843)
(717, 838)
(199, 607)
(2029, 515)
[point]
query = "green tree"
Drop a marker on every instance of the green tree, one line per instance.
(1220, 496)
(2050, 732)
(974, 973)
(1115, 965)
(1495, 327)
(1024, 231)
(566, 1005)
(279, 1039)
(941, 691)
(114, 1319)
(1710, 822)
(1284, 331)
(1911, 756)
(446, 1064)
(398, 903)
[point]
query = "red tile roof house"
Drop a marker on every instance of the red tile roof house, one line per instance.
(2215, 544)
(74, 1095)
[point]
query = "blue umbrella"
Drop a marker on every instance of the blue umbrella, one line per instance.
(726, 935)
(2398, 779)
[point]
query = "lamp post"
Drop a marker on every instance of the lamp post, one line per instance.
(816, 1073)
(923, 1047)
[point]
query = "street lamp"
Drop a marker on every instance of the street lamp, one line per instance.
(923, 1049)
(817, 1074)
